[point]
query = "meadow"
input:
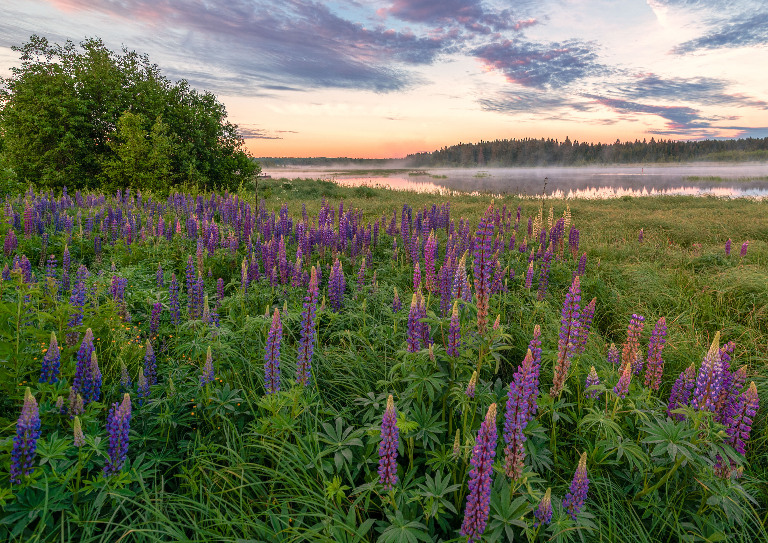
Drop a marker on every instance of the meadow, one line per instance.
(324, 363)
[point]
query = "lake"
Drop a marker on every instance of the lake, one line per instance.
(717, 179)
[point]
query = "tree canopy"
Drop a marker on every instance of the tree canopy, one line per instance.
(85, 116)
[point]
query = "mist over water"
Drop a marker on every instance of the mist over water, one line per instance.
(722, 180)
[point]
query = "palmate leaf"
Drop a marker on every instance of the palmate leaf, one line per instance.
(505, 513)
(624, 448)
(597, 418)
(339, 442)
(430, 429)
(433, 495)
(671, 439)
(402, 530)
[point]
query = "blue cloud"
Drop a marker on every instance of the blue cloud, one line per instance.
(699, 90)
(746, 30)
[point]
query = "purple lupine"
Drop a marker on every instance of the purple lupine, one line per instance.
(77, 433)
(361, 276)
(308, 332)
(622, 386)
(529, 277)
(65, 264)
(25, 442)
(577, 494)
(543, 512)
(518, 413)
(336, 285)
(191, 287)
(631, 348)
(173, 299)
(546, 262)
(272, 355)
(50, 370)
(430, 254)
(573, 241)
(585, 326)
(570, 321)
(416, 276)
(460, 287)
(655, 366)
(142, 388)
(592, 381)
(728, 247)
(11, 243)
(77, 298)
(118, 426)
(424, 329)
(471, 386)
(150, 364)
(91, 390)
(388, 446)
(743, 251)
(83, 360)
(483, 264)
(75, 404)
(208, 376)
(414, 326)
(154, 320)
(454, 332)
(480, 479)
(640, 236)
(159, 276)
(125, 378)
(613, 355)
(740, 423)
(681, 392)
(397, 305)
(709, 380)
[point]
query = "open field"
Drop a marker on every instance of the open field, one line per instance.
(286, 434)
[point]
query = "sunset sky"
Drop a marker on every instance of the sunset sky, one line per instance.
(360, 78)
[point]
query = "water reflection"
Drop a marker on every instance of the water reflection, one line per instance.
(725, 181)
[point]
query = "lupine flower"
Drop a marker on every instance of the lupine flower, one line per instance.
(388, 446)
(308, 333)
(577, 494)
(521, 389)
(483, 265)
(118, 426)
(361, 276)
(570, 321)
(471, 385)
(592, 381)
(430, 253)
(497, 322)
(632, 346)
(728, 247)
(150, 364)
(460, 288)
(83, 359)
(60, 405)
(125, 378)
(154, 321)
(416, 276)
(77, 298)
(585, 326)
(272, 355)
(529, 276)
(397, 305)
(414, 326)
(681, 392)
(142, 388)
(336, 286)
(208, 375)
(740, 424)
(622, 387)
(11, 243)
(743, 251)
(613, 355)
(159, 276)
(543, 513)
(709, 380)
(454, 332)
(25, 442)
(79, 438)
(173, 299)
(640, 236)
(75, 403)
(655, 366)
(480, 478)
(51, 361)
(457, 445)
(546, 261)
(92, 385)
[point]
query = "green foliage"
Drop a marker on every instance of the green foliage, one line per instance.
(87, 116)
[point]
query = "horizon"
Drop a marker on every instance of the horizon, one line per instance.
(381, 80)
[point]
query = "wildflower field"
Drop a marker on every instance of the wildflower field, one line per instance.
(352, 364)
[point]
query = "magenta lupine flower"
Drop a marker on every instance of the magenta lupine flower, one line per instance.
(577, 494)
(454, 332)
(472, 385)
(740, 423)
(585, 326)
(709, 380)
(118, 426)
(50, 370)
(728, 247)
(543, 512)
(414, 326)
(430, 253)
(25, 442)
(397, 305)
(622, 387)
(154, 321)
(208, 375)
(546, 262)
(529, 277)
(570, 321)
(77, 434)
(150, 364)
(336, 286)
(173, 299)
(390, 437)
(308, 333)
(518, 413)
(632, 346)
(655, 367)
(743, 251)
(592, 381)
(480, 478)
(681, 392)
(272, 355)
(483, 265)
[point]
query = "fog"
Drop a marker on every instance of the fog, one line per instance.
(718, 179)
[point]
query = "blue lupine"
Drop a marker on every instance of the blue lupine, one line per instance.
(680, 395)
(118, 426)
(709, 380)
(543, 512)
(272, 355)
(480, 478)
(570, 322)
(414, 326)
(454, 332)
(336, 286)
(592, 381)
(25, 442)
(518, 413)
(388, 446)
(208, 376)
(51, 361)
(577, 494)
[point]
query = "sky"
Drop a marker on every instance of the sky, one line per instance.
(381, 79)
